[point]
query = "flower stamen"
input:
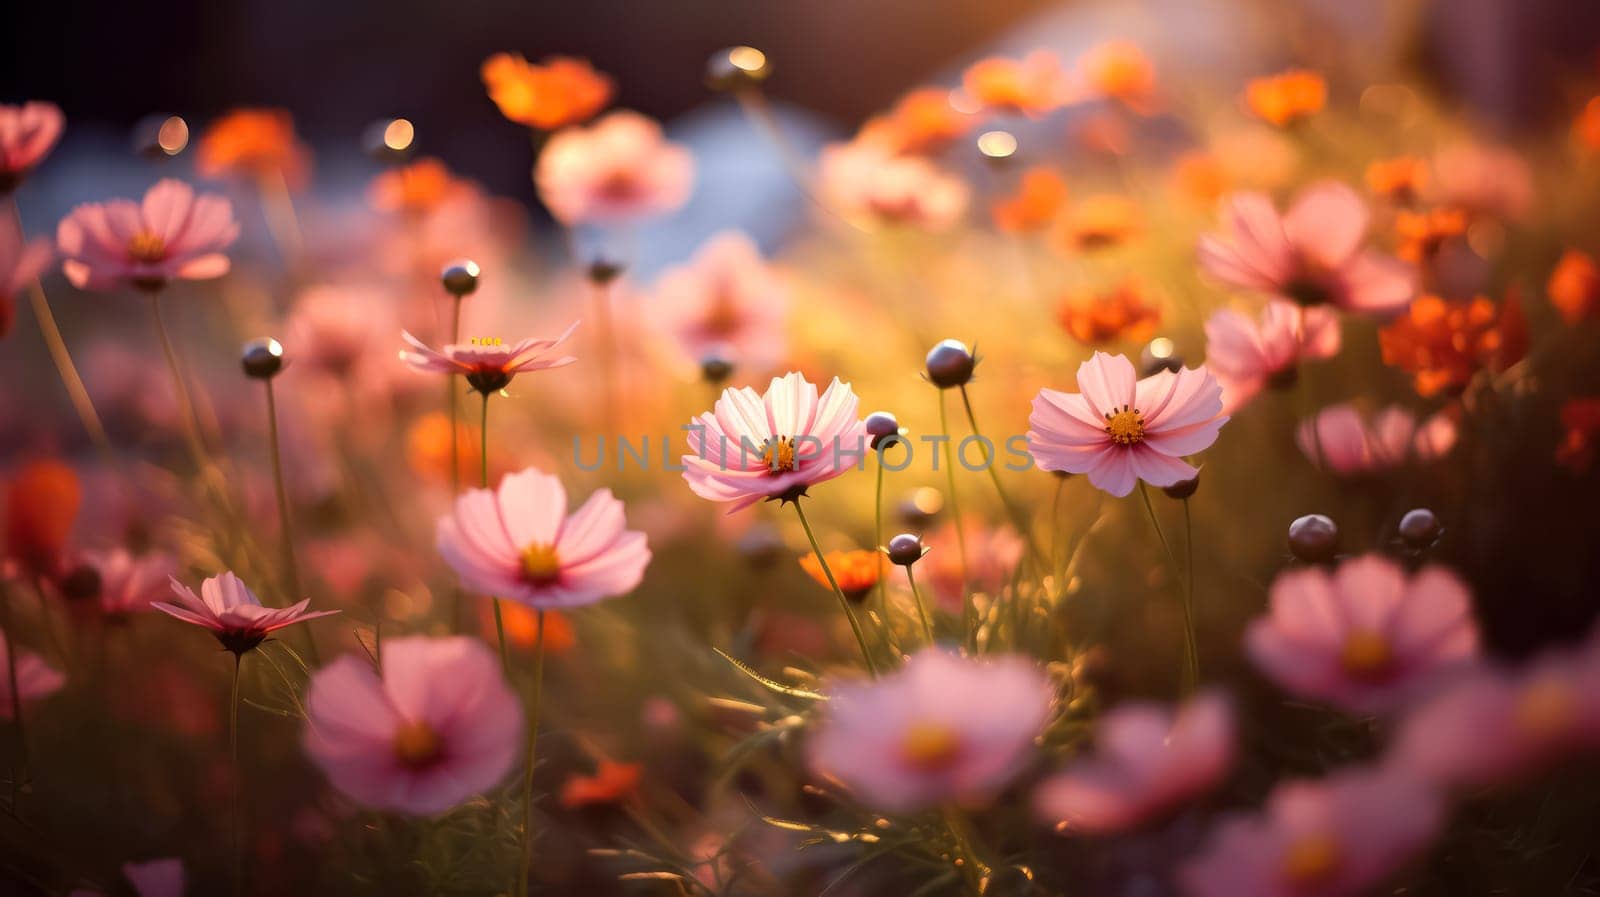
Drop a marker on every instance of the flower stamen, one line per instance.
(416, 746)
(930, 747)
(1126, 427)
(148, 247)
(540, 563)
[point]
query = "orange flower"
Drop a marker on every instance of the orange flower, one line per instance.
(1286, 98)
(1031, 86)
(255, 143)
(1400, 179)
(41, 506)
(923, 121)
(856, 571)
(428, 448)
(1574, 286)
(1040, 195)
(1586, 129)
(1442, 343)
(417, 188)
(1120, 71)
(1421, 234)
(1581, 420)
(612, 783)
(1100, 222)
(1097, 317)
(1200, 176)
(522, 627)
(563, 91)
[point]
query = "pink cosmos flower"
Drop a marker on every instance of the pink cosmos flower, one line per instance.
(863, 179)
(1496, 727)
(775, 445)
(438, 727)
(1483, 180)
(1340, 439)
(232, 612)
(940, 728)
(488, 365)
(726, 302)
(1147, 761)
(1365, 636)
(1120, 429)
(35, 678)
(519, 542)
(1310, 255)
(172, 234)
(129, 584)
(993, 553)
(27, 134)
(1246, 356)
(157, 878)
(620, 168)
(1338, 837)
(337, 330)
(21, 262)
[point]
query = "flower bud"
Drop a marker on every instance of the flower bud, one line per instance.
(389, 140)
(881, 425)
(905, 549)
(603, 271)
(262, 358)
(460, 277)
(1160, 354)
(950, 364)
(160, 136)
(1420, 529)
(716, 369)
(1314, 538)
(736, 68)
(1183, 488)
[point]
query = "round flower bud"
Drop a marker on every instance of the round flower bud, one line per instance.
(80, 583)
(905, 549)
(1160, 354)
(460, 277)
(160, 136)
(1314, 538)
(389, 140)
(1183, 488)
(603, 271)
(716, 369)
(262, 358)
(1420, 529)
(950, 364)
(736, 68)
(881, 425)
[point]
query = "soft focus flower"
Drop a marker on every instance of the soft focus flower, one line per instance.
(855, 571)
(941, 728)
(1119, 429)
(335, 331)
(867, 180)
(1364, 637)
(27, 134)
(156, 878)
(1338, 837)
(1442, 343)
(254, 143)
(1483, 180)
(129, 583)
(993, 553)
(438, 727)
(42, 504)
(1031, 86)
(773, 445)
(1119, 70)
(416, 188)
(1096, 317)
(172, 234)
(1574, 286)
(1246, 355)
(612, 783)
(560, 91)
(35, 678)
(21, 262)
(1310, 255)
(233, 613)
(921, 122)
(1286, 98)
(1580, 439)
(1339, 438)
(1201, 177)
(487, 364)
(1101, 221)
(1586, 127)
(1420, 235)
(1040, 197)
(521, 625)
(728, 302)
(519, 542)
(1147, 761)
(427, 447)
(1400, 179)
(618, 169)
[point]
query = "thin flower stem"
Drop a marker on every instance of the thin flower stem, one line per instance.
(605, 333)
(191, 424)
(973, 869)
(19, 769)
(453, 396)
(968, 611)
(291, 567)
(922, 608)
(534, 701)
(81, 403)
(753, 103)
(877, 543)
(1188, 597)
(1018, 519)
(483, 471)
(1189, 675)
(849, 613)
(238, 779)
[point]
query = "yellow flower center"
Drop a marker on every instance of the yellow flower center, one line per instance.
(1126, 427)
(540, 564)
(1366, 654)
(416, 745)
(147, 247)
(1311, 859)
(778, 453)
(1546, 708)
(930, 747)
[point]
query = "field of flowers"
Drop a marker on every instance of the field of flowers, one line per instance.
(1112, 489)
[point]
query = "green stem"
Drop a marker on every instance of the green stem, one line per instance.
(534, 700)
(1189, 677)
(922, 608)
(1018, 520)
(238, 779)
(452, 393)
(191, 423)
(483, 471)
(968, 611)
(291, 567)
(877, 546)
(849, 613)
(1193, 643)
(19, 771)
